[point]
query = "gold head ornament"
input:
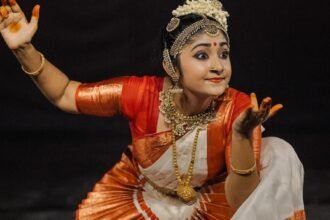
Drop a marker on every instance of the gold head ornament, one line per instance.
(204, 8)
(210, 8)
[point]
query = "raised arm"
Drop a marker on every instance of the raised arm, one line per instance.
(243, 177)
(17, 32)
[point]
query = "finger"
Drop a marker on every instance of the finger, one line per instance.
(8, 8)
(265, 102)
(3, 12)
(14, 6)
(275, 109)
(264, 108)
(254, 101)
(264, 115)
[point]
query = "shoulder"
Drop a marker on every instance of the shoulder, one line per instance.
(140, 93)
(144, 80)
(236, 95)
(238, 100)
(140, 84)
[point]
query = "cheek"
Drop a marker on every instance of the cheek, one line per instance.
(194, 70)
(193, 76)
(228, 67)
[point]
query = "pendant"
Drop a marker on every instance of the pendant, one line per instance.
(186, 193)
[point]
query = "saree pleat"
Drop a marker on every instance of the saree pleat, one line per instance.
(112, 196)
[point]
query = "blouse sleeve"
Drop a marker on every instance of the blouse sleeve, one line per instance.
(129, 96)
(101, 98)
(242, 101)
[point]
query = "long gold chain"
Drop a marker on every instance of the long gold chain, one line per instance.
(185, 191)
(181, 124)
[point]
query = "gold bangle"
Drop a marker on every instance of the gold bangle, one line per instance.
(246, 171)
(38, 71)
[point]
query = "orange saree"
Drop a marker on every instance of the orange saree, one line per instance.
(125, 191)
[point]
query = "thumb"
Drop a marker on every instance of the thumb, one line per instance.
(35, 17)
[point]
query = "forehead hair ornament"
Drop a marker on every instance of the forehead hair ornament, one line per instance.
(212, 28)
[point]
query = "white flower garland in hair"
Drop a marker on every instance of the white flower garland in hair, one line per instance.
(211, 8)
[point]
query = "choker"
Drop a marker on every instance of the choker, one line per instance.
(183, 123)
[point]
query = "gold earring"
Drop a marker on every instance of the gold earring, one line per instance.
(172, 73)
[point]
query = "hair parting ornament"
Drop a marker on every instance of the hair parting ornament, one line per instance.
(204, 8)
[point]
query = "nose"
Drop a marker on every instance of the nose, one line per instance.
(217, 67)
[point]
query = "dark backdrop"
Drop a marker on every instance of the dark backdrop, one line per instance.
(49, 159)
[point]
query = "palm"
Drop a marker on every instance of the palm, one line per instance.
(17, 33)
(15, 29)
(255, 115)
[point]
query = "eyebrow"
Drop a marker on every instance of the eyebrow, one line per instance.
(209, 45)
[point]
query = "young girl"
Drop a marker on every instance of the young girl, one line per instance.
(197, 151)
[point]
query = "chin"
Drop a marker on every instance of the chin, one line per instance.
(217, 91)
(214, 92)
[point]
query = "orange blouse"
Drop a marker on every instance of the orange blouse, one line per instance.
(137, 98)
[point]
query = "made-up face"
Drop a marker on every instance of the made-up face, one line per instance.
(205, 65)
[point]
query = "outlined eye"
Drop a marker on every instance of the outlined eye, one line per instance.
(201, 56)
(224, 55)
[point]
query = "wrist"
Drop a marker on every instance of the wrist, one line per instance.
(23, 49)
(31, 60)
(241, 134)
(37, 71)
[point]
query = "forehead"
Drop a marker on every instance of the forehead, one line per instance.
(205, 38)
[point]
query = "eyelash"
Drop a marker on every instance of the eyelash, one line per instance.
(223, 55)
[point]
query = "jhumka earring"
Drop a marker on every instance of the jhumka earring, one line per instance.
(172, 73)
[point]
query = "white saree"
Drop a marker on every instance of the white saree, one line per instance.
(277, 197)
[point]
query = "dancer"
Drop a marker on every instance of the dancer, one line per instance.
(196, 151)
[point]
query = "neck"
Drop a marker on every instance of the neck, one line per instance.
(191, 104)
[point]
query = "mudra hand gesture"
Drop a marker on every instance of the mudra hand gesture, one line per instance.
(14, 27)
(254, 115)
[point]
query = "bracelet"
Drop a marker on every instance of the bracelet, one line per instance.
(38, 71)
(244, 172)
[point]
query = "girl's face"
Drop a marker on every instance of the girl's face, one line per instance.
(205, 65)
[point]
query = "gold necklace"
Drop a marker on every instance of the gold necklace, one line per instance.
(183, 123)
(185, 191)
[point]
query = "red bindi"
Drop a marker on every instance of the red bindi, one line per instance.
(215, 44)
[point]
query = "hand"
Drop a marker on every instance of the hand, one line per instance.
(14, 28)
(254, 115)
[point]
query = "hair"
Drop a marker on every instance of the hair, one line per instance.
(168, 38)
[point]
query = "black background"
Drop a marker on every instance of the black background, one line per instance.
(49, 159)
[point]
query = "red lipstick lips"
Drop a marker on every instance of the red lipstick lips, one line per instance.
(215, 79)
